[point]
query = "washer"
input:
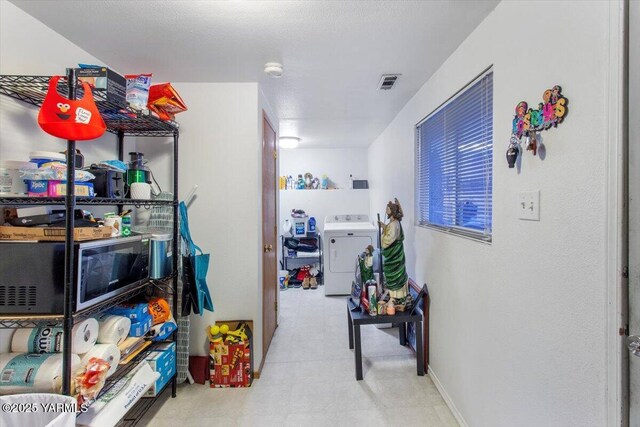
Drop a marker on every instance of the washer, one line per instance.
(344, 237)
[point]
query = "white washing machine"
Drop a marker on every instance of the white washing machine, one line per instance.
(344, 237)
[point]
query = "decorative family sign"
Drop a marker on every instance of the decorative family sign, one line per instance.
(527, 122)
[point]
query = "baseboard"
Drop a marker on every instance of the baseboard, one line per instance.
(447, 399)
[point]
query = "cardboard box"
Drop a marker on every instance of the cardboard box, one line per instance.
(53, 234)
(105, 79)
(162, 360)
(37, 188)
(231, 364)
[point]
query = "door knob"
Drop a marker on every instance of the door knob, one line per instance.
(633, 343)
(267, 248)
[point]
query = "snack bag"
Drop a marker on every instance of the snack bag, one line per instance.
(159, 310)
(165, 101)
(90, 381)
(138, 90)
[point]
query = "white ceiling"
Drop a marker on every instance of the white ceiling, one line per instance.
(333, 52)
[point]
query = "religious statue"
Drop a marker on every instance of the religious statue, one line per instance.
(366, 265)
(393, 263)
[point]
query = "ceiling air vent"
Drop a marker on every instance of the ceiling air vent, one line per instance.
(387, 81)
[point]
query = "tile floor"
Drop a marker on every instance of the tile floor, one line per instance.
(309, 379)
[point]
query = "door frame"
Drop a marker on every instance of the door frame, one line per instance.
(265, 345)
(617, 257)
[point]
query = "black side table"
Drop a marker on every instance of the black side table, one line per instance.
(357, 318)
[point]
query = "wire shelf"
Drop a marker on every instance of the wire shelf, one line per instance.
(32, 90)
(84, 201)
(133, 417)
(35, 321)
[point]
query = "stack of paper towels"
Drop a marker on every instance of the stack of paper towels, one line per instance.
(50, 339)
(35, 362)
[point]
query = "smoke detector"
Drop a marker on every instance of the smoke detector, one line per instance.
(274, 69)
(388, 81)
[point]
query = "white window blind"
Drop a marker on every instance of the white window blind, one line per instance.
(454, 152)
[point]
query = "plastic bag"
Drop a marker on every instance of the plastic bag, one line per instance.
(138, 90)
(90, 380)
(165, 101)
(54, 171)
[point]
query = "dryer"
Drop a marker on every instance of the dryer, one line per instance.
(344, 237)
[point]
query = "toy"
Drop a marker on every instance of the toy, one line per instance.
(308, 178)
(224, 329)
(237, 336)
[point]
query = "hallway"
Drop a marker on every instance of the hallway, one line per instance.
(308, 378)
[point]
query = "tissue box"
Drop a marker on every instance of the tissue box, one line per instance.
(141, 327)
(105, 79)
(163, 361)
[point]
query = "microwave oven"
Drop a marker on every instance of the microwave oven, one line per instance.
(32, 273)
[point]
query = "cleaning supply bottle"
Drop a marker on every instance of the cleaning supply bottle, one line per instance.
(312, 225)
(350, 182)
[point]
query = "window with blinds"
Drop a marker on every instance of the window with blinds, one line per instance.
(454, 154)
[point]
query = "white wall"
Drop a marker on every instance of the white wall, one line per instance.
(336, 163)
(518, 327)
(29, 47)
(220, 151)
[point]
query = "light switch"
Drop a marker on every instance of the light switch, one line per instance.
(529, 206)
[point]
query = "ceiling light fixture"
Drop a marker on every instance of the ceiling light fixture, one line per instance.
(289, 142)
(274, 69)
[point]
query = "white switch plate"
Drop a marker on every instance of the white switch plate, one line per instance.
(529, 206)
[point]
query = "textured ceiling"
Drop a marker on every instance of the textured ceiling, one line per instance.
(333, 52)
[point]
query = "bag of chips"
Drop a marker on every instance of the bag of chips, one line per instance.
(165, 101)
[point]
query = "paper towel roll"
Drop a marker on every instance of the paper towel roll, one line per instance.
(113, 329)
(49, 339)
(32, 373)
(5, 340)
(108, 352)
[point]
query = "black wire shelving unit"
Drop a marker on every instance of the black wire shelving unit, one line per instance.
(83, 201)
(122, 122)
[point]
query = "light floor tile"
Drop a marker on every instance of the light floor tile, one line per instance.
(308, 379)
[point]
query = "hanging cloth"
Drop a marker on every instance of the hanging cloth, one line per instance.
(195, 265)
(64, 118)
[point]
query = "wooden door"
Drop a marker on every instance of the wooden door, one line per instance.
(269, 235)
